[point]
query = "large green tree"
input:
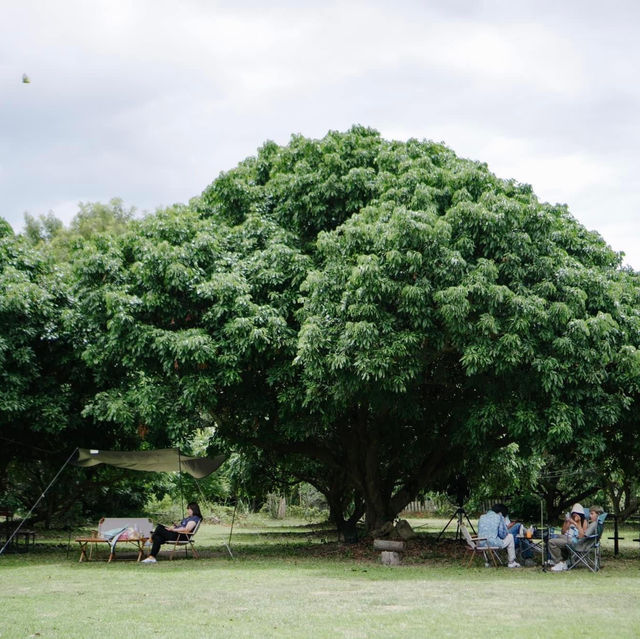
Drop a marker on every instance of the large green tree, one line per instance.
(379, 315)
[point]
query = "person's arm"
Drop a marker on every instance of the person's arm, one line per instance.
(582, 528)
(174, 527)
(185, 529)
(502, 528)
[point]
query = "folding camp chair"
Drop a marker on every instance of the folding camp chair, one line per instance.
(475, 547)
(186, 540)
(587, 550)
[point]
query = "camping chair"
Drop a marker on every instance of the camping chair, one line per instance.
(587, 550)
(475, 548)
(186, 540)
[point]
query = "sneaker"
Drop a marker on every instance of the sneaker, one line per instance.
(559, 567)
(513, 564)
(149, 560)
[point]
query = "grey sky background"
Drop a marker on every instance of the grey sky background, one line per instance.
(149, 100)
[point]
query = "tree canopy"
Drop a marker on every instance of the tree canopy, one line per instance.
(376, 316)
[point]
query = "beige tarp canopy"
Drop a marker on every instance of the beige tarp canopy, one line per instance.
(163, 461)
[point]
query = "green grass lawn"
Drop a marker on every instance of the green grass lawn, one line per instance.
(291, 579)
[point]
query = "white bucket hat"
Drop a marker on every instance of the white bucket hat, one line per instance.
(577, 508)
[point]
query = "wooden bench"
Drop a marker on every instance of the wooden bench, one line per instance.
(90, 542)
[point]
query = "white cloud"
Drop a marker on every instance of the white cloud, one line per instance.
(563, 175)
(149, 100)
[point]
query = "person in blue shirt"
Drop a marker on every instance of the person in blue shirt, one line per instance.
(163, 534)
(492, 526)
(519, 532)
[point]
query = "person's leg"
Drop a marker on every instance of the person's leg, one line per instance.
(508, 543)
(159, 536)
(556, 546)
(515, 531)
(520, 541)
(547, 536)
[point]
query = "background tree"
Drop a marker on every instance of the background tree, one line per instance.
(42, 228)
(44, 384)
(5, 228)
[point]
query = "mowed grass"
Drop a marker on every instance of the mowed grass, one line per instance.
(293, 580)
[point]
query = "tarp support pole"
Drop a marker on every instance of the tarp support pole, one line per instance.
(233, 519)
(53, 481)
(544, 559)
(227, 545)
(180, 479)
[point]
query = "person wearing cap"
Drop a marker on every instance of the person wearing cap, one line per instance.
(492, 527)
(573, 530)
(592, 527)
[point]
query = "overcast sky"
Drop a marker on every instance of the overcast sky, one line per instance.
(149, 100)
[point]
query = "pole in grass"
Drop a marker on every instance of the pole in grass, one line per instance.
(233, 519)
(542, 554)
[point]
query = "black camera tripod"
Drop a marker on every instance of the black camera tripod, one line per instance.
(459, 515)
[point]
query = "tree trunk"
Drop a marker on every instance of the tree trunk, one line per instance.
(340, 498)
(282, 508)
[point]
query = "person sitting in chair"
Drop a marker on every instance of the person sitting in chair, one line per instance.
(519, 532)
(163, 534)
(493, 527)
(575, 530)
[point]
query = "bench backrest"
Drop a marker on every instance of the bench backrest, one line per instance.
(144, 525)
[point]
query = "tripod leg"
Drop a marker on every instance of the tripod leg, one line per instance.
(447, 525)
(469, 522)
(458, 531)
